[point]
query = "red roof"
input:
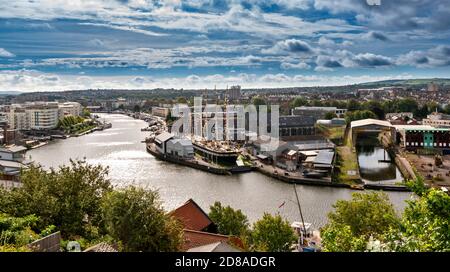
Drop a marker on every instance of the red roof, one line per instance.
(192, 216)
(194, 238)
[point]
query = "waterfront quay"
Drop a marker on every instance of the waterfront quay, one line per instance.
(121, 149)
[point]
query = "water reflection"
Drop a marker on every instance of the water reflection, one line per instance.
(374, 162)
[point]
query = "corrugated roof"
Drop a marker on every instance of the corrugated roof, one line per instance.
(13, 149)
(368, 122)
(163, 137)
(324, 157)
(296, 120)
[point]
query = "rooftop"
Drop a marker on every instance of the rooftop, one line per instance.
(324, 157)
(192, 216)
(368, 122)
(195, 239)
(164, 137)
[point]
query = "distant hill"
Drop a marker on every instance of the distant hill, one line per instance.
(409, 82)
(4, 93)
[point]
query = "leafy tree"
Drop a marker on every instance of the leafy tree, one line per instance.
(359, 115)
(228, 220)
(258, 101)
(137, 108)
(299, 101)
(272, 233)
(68, 197)
(353, 105)
(365, 215)
(182, 100)
(425, 225)
(407, 105)
(135, 218)
(330, 115)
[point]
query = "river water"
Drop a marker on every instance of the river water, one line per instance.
(375, 164)
(121, 149)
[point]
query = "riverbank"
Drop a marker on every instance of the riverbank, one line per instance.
(267, 170)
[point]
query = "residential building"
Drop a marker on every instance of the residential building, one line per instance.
(160, 111)
(69, 108)
(39, 115)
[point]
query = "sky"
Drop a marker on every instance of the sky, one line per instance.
(56, 45)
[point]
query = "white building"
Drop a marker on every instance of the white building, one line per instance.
(69, 108)
(39, 115)
(180, 147)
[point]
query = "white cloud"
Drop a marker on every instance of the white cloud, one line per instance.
(29, 80)
(6, 54)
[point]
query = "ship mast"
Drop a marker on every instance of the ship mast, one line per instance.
(300, 209)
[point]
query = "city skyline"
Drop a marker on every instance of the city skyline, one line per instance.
(57, 45)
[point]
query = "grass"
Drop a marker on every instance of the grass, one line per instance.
(334, 134)
(347, 160)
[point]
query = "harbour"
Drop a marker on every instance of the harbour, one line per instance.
(122, 150)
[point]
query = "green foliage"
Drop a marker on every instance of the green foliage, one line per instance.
(18, 231)
(425, 225)
(298, 102)
(86, 113)
(75, 124)
(228, 220)
(272, 233)
(359, 115)
(330, 115)
(258, 101)
(135, 217)
(339, 238)
(69, 197)
(365, 215)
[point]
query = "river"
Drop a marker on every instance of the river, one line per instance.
(375, 164)
(121, 149)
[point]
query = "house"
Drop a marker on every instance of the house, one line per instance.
(199, 230)
(180, 147)
(193, 217)
(12, 160)
(161, 141)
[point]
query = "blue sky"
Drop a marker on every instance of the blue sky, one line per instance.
(61, 45)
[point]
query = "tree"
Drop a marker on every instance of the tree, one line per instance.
(299, 101)
(330, 115)
(272, 233)
(68, 197)
(258, 101)
(352, 221)
(137, 108)
(135, 217)
(228, 220)
(425, 225)
(359, 115)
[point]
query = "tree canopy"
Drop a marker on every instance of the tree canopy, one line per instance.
(228, 220)
(135, 217)
(272, 233)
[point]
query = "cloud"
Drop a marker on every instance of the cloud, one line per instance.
(434, 57)
(375, 35)
(300, 65)
(29, 80)
(371, 60)
(6, 54)
(289, 46)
